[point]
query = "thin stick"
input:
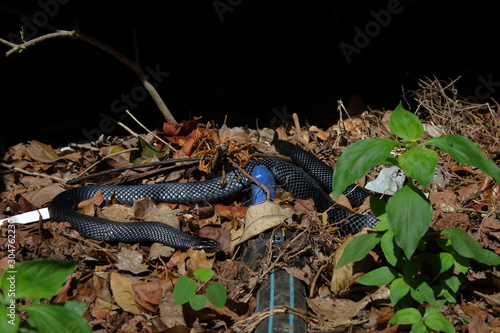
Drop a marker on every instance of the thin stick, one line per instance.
(105, 157)
(147, 130)
(262, 187)
(30, 173)
(18, 48)
(133, 167)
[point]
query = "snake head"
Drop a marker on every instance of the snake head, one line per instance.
(207, 244)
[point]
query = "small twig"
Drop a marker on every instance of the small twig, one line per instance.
(106, 157)
(30, 173)
(18, 48)
(318, 274)
(489, 298)
(132, 167)
(246, 174)
(147, 130)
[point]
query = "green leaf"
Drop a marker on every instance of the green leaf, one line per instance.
(10, 320)
(407, 316)
(198, 302)
(392, 252)
(453, 283)
(461, 263)
(467, 152)
(448, 287)
(409, 214)
(419, 164)
(358, 248)
(446, 260)
(216, 293)
(439, 323)
(184, 289)
(418, 328)
(421, 291)
(38, 278)
(204, 274)
(378, 277)
(358, 159)
(405, 124)
(440, 263)
(466, 246)
(382, 225)
(399, 289)
(377, 206)
(50, 318)
(147, 151)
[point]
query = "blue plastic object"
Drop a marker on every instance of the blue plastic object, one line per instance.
(266, 178)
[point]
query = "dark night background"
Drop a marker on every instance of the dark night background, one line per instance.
(242, 62)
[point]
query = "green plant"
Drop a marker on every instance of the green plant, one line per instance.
(420, 261)
(187, 290)
(37, 280)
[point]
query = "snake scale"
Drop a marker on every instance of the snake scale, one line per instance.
(315, 184)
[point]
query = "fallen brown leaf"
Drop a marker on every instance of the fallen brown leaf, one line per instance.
(42, 152)
(123, 292)
(44, 195)
(477, 324)
(191, 260)
(131, 261)
(380, 316)
(261, 217)
(341, 276)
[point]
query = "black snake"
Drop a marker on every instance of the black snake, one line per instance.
(315, 185)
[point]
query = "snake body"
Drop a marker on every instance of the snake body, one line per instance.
(290, 176)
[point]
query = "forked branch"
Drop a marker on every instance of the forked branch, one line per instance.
(134, 65)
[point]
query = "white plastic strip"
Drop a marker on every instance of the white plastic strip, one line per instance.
(27, 217)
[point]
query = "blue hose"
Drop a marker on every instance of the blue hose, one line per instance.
(280, 288)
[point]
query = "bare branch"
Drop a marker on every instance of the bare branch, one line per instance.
(134, 65)
(18, 48)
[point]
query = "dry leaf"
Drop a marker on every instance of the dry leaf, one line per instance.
(41, 152)
(197, 259)
(123, 292)
(473, 311)
(170, 313)
(164, 214)
(42, 196)
(331, 309)
(261, 217)
(131, 261)
(148, 294)
(103, 309)
(380, 316)
(117, 212)
(342, 310)
(341, 276)
(159, 250)
(477, 324)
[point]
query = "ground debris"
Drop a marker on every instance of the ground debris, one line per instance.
(129, 286)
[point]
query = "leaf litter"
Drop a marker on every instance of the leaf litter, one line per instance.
(128, 287)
